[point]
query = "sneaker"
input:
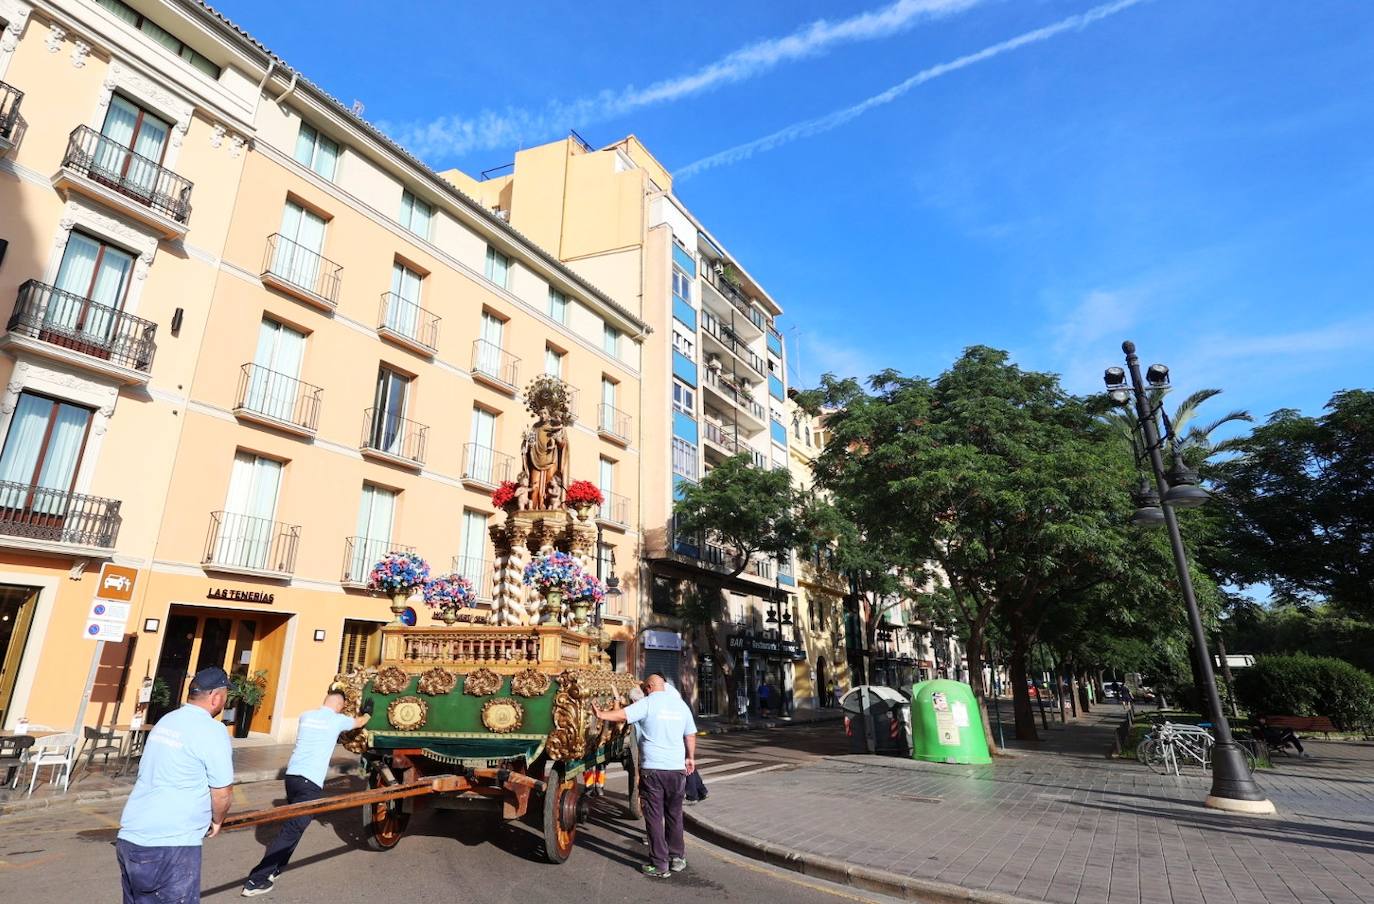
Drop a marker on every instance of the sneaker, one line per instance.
(654, 872)
(252, 889)
(677, 864)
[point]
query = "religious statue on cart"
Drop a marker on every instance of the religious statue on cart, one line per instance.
(544, 448)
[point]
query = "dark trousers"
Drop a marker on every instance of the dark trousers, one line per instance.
(279, 851)
(159, 875)
(660, 794)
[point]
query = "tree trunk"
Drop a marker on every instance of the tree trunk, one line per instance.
(1020, 694)
(1226, 674)
(1073, 689)
(975, 681)
(1084, 702)
(728, 666)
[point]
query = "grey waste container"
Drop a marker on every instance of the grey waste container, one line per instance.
(877, 719)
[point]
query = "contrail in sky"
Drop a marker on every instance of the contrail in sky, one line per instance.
(809, 127)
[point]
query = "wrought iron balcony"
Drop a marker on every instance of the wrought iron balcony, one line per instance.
(406, 323)
(476, 570)
(278, 400)
(42, 515)
(494, 366)
(615, 511)
(141, 180)
(244, 544)
(87, 333)
(389, 436)
(720, 436)
(712, 326)
(361, 553)
(300, 272)
(613, 424)
(485, 467)
(732, 393)
(10, 99)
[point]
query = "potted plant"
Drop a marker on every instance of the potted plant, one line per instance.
(555, 576)
(582, 496)
(446, 594)
(585, 597)
(246, 693)
(398, 575)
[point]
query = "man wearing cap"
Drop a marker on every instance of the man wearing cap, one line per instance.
(316, 734)
(181, 796)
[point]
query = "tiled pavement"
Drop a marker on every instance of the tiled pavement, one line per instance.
(1065, 824)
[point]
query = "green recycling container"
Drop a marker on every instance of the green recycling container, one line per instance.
(946, 725)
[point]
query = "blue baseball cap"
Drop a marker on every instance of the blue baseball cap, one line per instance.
(210, 679)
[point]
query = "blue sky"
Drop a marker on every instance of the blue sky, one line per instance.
(1196, 176)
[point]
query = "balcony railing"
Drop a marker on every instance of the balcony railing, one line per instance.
(245, 543)
(10, 98)
(297, 266)
(142, 179)
(361, 553)
(728, 291)
(57, 516)
(612, 422)
(71, 321)
(486, 466)
(615, 509)
(476, 570)
(279, 398)
(385, 432)
(734, 394)
(726, 337)
(406, 321)
(721, 437)
(489, 360)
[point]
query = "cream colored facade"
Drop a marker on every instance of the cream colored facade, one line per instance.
(279, 367)
(714, 385)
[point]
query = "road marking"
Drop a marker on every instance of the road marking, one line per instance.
(735, 775)
(726, 767)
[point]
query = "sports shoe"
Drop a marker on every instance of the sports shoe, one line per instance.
(252, 889)
(654, 872)
(677, 864)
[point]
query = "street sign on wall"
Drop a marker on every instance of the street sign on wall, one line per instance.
(108, 616)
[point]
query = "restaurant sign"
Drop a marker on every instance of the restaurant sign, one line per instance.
(239, 596)
(766, 646)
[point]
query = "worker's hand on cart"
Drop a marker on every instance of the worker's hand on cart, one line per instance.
(367, 707)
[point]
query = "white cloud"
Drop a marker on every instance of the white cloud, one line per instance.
(448, 135)
(810, 127)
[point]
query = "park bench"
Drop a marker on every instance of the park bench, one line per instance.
(1302, 724)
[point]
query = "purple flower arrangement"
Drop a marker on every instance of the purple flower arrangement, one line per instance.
(555, 572)
(397, 573)
(590, 589)
(446, 592)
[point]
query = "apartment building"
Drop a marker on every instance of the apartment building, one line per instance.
(252, 346)
(714, 386)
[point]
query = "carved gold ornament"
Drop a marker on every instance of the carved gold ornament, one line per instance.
(530, 683)
(503, 715)
(437, 681)
(481, 683)
(356, 741)
(390, 681)
(407, 713)
(568, 740)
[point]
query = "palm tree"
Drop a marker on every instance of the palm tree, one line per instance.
(1192, 441)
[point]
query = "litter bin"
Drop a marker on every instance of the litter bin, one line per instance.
(877, 719)
(946, 723)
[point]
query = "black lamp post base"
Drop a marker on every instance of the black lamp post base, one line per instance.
(1261, 807)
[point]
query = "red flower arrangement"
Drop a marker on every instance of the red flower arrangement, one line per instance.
(504, 496)
(584, 492)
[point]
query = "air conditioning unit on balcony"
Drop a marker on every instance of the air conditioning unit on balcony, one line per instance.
(718, 267)
(713, 362)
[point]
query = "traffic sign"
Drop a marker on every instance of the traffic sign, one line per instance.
(116, 583)
(108, 615)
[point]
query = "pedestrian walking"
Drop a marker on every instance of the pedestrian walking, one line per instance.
(180, 798)
(765, 698)
(316, 734)
(667, 755)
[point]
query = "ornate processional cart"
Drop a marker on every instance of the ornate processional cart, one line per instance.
(492, 711)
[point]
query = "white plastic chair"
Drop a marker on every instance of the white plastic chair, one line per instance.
(57, 751)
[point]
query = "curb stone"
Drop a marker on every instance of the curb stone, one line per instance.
(830, 869)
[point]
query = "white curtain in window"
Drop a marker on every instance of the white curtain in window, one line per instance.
(482, 437)
(608, 403)
(143, 169)
(272, 388)
(326, 157)
(305, 145)
(111, 278)
(388, 434)
(118, 133)
(245, 537)
(403, 308)
(498, 268)
(376, 513)
(471, 561)
(60, 461)
(553, 363)
(73, 283)
(298, 258)
(606, 474)
(22, 448)
(489, 355)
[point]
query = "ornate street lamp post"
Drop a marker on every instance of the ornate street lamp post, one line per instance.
(1233, 787)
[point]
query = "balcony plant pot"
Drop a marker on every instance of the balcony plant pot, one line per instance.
(553, 607)
(398, 605)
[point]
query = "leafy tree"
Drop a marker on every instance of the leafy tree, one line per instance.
(1300, 497)
(1302, 685)
(751, 512)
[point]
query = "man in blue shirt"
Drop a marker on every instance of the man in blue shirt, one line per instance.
(667, 746)
(182, 794)
(316, 735)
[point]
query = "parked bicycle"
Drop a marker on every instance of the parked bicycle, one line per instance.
(1173, 746)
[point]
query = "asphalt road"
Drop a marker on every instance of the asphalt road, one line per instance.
(67, 856)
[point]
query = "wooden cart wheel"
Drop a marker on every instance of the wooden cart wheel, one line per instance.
(561, 799)
(384, 822)
(631, 761)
